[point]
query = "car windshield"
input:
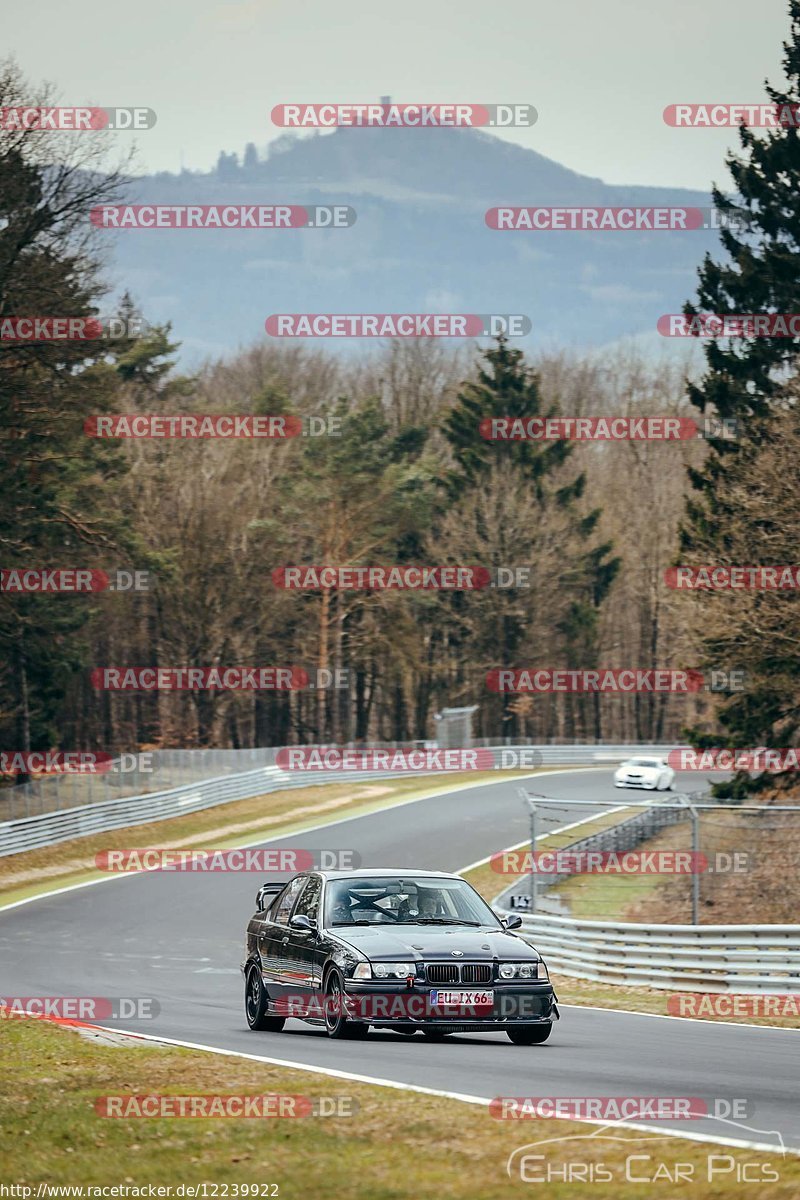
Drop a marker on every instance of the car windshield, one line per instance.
(393, 900)
(643, 762)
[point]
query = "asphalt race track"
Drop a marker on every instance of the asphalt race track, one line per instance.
(178, 937)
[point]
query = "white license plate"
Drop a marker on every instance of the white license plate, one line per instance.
(462, 999)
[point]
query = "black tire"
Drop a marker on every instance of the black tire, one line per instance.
(530, 1035)
(337, 1025)
(255, 1004)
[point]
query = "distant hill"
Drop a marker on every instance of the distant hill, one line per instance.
(419, 244)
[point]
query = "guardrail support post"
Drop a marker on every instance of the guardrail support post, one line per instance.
(695, 864)
(532, 813)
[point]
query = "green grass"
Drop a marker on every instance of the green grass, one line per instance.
(490, 883)
(605, 897)
(645, 1000)
(396, 1145)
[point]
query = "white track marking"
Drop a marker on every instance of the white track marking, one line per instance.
(463, 1097)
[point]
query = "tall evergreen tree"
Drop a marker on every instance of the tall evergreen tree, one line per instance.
(508, 387)
(763, 271)
(748, 379)
(57, 506)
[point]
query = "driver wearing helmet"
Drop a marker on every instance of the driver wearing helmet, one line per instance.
(424, 904)
(342, 912)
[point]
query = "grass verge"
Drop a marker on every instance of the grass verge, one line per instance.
(761, 890)
(490, 883)
(590, 994)
(395, 1145)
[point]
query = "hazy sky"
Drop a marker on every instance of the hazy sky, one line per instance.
(600, 72)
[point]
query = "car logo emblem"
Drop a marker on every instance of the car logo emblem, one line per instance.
(457, 953)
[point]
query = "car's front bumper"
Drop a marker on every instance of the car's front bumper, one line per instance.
(394, 1004)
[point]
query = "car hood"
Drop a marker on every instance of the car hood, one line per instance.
(630, 770)
(431, 942)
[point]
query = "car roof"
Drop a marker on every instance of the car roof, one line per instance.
(375, 872)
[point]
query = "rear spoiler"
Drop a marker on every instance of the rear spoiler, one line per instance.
(266, 890)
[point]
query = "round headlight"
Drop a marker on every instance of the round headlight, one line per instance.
(507, 971)
(380, 970)
(527, 970)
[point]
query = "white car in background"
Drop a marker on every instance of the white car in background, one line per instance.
(652, 773)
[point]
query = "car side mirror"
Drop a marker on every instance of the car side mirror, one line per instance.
(261, 899)
(303, 924)
(512, 922)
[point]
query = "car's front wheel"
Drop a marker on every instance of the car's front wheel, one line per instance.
(530, 1035)
(255, 1004)
(337, 1025)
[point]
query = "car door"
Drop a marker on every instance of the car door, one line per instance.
(304, 959)
(274, 936)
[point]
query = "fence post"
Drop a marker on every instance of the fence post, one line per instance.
(695, 863)
(532, 812)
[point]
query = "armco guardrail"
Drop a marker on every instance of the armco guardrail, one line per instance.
(167, 769)
(49, 828)
(29, 833)
(706, 958)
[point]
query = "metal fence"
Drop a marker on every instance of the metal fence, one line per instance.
(159, 770)
(742, 957)
(618, 838)
(708, 958)
(47, 829)
(26, 830)
(703, 859)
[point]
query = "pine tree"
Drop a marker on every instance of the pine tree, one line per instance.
(57, 506)
(748, 379)
(508, 387)
(763, 274)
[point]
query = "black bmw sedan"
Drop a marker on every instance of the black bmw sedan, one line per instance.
(393, 949)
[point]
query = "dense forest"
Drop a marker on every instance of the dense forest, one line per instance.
(389, 468)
